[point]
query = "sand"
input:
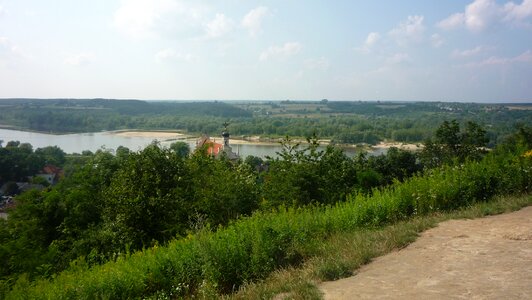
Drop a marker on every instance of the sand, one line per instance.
(487, 258)
(247, 142)
(254, 140)
(402, 146)
(150, 134)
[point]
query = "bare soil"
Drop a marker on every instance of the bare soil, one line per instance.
(487, 258)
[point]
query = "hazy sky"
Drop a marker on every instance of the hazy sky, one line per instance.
(430, 50)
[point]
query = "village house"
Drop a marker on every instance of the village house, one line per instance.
(51, 174)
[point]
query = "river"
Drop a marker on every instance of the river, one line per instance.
(78, 142)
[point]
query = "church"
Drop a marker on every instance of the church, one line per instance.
(216, 149)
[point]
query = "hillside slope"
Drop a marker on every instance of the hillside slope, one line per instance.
(487, 258)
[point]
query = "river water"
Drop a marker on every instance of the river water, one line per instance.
(78, 142)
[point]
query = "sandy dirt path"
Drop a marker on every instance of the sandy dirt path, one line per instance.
(487, 258)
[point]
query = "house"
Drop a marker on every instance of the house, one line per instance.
(51, 174)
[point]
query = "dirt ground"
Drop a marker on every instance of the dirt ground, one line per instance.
(487, 258)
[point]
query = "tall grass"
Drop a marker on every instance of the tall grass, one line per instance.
(342, 253)
(250, 249)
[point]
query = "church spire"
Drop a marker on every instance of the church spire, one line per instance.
(225, 134)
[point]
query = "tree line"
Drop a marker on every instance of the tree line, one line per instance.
(349, 122)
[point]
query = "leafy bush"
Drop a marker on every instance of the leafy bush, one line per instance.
(252, 247)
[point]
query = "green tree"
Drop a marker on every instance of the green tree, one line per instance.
(219, 189)
(26, 238)
(145, 203)
(301, 176)
(122, 152)
(18, 161)
(52, 155)
(519, 141)
(253, 161)
(180, 148)
(395, 164)
(474, 139)
(451, 144)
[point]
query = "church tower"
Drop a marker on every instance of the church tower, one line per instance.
(225, 135)
(226, 147)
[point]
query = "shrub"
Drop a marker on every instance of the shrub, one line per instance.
(252, 247)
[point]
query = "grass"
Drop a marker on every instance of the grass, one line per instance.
(343, 253)
(251, 249)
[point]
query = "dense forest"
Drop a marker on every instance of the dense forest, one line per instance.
(341, 121)
(115, 210)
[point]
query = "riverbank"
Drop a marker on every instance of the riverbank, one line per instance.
(167, 135)
(18, 128)
(137, 139)
(163, 134)
(171, 135)
(402, 146)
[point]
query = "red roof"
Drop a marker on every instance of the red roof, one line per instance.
(213, 148)
(51, 169)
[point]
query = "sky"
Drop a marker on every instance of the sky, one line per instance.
(417, 50)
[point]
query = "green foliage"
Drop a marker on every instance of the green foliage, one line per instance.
(357, 137)
(308, 175)
(40, 180)
(334, 269)
(342, 253)
(144, 201)
(65, 115)
(341, 121)
(115, 204)
(29, 250)
(52, 155)
(450, 144)
(180, 148)
(220, 190)
(17, 161)
(252, 247)
(397, 164)
(57, 225)
(302, 176)
(254, 162)
(520, 140)
(112, 213)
